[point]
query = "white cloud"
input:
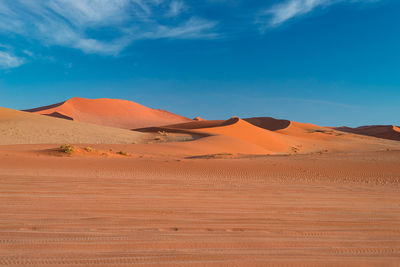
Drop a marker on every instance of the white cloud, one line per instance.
(175, 8)
(289, 9)
(192, 29)
(8, 61)
(77, 23)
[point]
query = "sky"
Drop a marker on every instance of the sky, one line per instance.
(328, 62)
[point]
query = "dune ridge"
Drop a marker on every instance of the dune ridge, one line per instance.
(110, 112)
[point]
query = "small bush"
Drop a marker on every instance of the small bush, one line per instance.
(67, 148)
(123, 153)
(88, 149)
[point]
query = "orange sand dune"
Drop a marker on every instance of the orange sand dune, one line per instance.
(18, 127)
(243, 130)
(286, 137)
(268, 141)
(110, 112)
(193, 138)
(390, 132)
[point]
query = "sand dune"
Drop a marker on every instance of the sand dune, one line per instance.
(288, 137)
(110, 112)
(390, 132)
(242, 130)
(18, 127)
(233, 129)
(262, 135)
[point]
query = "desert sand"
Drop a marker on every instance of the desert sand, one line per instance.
(110, 112)
(338, 209)
(236, 192)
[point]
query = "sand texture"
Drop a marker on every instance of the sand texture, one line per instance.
(338, 209)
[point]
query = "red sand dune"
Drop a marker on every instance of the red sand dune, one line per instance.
(110, 112)
(390, 132)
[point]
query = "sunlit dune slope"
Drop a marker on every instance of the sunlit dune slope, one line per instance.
(243, 130)
(239, 130)
(110, 112)
(18, 127)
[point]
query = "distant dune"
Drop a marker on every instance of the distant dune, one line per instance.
(18, 127)
(110, 112)
(390, 132)
(158, 132)
(285, 137)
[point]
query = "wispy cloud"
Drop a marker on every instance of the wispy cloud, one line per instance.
(77, 23)
(191, 29)
(289, 9)
(176, 7)
(9, 61)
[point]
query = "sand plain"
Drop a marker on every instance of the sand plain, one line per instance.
(336, 209)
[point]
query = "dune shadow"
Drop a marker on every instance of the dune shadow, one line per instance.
(268, 123)
(193, 125)
(44, 107)
(59, 115)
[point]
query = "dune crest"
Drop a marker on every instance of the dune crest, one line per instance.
(110, 112)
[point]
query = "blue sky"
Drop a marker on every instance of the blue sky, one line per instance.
(329, 62)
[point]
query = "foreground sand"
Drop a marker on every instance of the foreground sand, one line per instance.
(303, 210)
